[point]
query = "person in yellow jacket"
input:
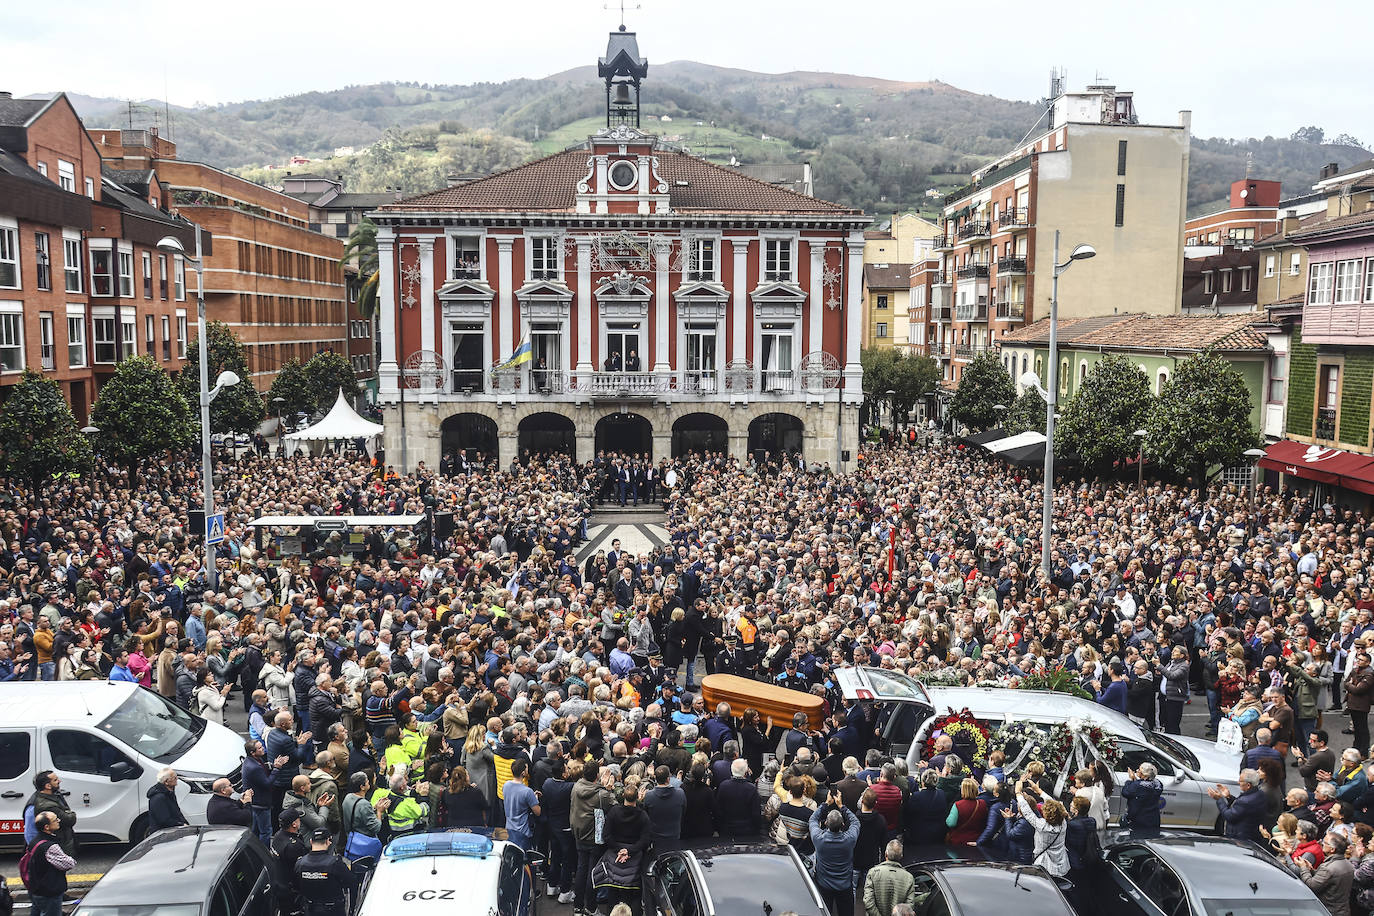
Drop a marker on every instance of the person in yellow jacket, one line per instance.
(395, 758)
(409, 810)
(509, 748)
(413, 742)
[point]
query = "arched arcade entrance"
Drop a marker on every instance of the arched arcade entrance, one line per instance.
(470, 431)
(546, 434)
(775, 434)
(624, 432)
(700, 433)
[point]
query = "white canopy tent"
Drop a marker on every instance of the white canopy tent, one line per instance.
(342, 422)
(1017, 441)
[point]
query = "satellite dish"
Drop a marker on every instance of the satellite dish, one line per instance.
(1244, 194)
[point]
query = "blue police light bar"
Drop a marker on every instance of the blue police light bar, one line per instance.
(439, 844)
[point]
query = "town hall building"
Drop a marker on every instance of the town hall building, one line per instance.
(620, 295)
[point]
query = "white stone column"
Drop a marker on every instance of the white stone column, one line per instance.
(816, 303)
(388, 370)
(505, 298)
(427, 384)
(663, 255)
(584, 306)
(739, 298)
(853, 318)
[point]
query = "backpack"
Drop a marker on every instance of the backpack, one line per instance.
(26, 862)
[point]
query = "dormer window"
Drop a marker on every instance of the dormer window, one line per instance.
(624, 175)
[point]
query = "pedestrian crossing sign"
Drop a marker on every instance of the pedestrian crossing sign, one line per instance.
(214, 528)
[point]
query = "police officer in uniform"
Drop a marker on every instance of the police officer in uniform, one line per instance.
(287, 848)
(655, 675)
(729, 660)
(791, 678)
(323, 878)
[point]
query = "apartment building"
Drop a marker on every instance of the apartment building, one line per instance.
(82, 284)
(887, 294)
(269, 277)
(1099, 175)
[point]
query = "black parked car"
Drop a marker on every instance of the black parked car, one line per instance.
(187, 871)
(971, 888)
(1184, 875)
(733, 880)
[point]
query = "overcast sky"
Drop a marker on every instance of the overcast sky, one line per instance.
(1265, 67)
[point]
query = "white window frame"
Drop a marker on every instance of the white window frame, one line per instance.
(150, 335)
(129, 338)
(1207, 281)
(1161, 379)
(42, 168)
(103, 317)
(179, 277)
(182, 331)
(1321, 280)
(126, 277)
(453, 238)
(147, 260)
(95, 253)
(12, 334)
(553, 251)
(47, 343)
(66, 175)
(1270, 264)
(881, 331)
(90, 188)
(774, 251)
(166, 338)
(76, 320)
(162, 277)
(1245, 279)
(787, 375)
(72, 252)
(1369, 279)
(697, 244)
(1226, 281)
(42, 249)
(1347, 281)
(9, 254)
(1295, 264)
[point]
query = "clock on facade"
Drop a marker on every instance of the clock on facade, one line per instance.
(624, 175)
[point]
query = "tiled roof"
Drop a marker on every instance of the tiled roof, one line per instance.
(550, 184)
(16, 112)
(887, 276)
(1278, 238)
(354, 201)
(1069, 329)
(1336, 224)
(1154, 332)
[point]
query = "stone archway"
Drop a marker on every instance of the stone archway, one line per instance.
(775, 434)
(625, 432)
(472, 431)
(546, 433)
(700, 432)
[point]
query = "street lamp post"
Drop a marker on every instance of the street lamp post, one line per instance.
(1050, 394)
(1001, 414)
(280, 402)
(172, 245)
(1140, 459)
(1254, 454)
(892, 406)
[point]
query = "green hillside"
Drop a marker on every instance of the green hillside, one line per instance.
(876, 144)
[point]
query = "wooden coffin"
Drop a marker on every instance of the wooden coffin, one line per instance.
(769, 699)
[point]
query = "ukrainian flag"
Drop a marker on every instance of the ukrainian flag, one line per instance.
(521, 356)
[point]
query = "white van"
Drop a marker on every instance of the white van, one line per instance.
(1187, 767)
(106, 741)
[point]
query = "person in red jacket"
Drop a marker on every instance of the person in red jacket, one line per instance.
(967, 816)
(888, 801)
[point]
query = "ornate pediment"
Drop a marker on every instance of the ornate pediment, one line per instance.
(467, 290)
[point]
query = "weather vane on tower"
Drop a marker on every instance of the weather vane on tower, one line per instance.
(622, 5)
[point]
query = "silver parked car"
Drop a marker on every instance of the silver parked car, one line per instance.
(1187, 767)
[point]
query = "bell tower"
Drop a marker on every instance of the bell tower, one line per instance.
(623, 70)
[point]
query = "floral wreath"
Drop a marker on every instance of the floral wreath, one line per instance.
(1056, 746)
(963, 729)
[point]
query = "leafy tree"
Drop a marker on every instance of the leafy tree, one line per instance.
(1202, 417)
(38, 434)
(141, 413)
(325, 374)
(984, 383)
(909, 378)
(237, 409)
(362, 247)
(1111, 404)
(1025, 414)
(293, 388)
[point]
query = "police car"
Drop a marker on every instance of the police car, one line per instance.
(462, 871)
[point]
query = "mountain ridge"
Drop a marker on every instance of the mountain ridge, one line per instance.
(873, 142)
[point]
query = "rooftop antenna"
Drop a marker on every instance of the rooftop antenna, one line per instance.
(607, 6)
(166, 103)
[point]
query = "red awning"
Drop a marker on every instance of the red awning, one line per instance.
(1316, 462)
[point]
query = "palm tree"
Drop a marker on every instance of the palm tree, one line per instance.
(362, 251)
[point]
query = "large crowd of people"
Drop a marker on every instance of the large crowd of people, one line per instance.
(486, 674)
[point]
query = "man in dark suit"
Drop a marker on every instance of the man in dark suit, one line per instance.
(632, 362)
(613, 555)
(625, 588)
(729, 660)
